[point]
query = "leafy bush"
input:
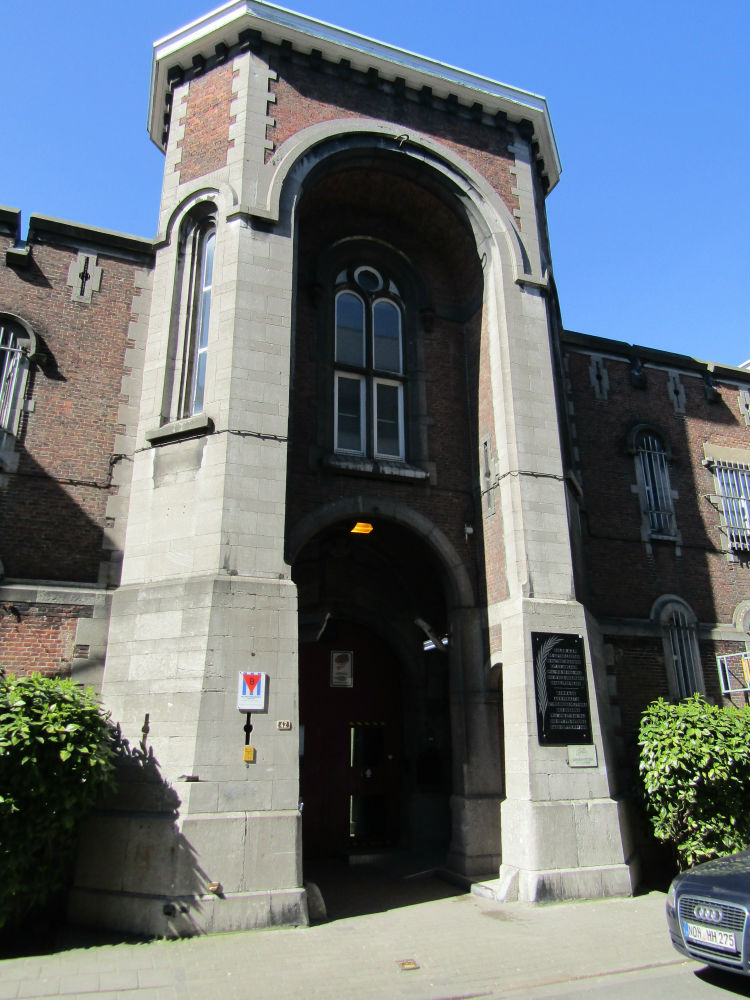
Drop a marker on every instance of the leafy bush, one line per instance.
(56, 757)
(695, 768)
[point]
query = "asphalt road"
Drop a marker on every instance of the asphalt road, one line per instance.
(688, 981)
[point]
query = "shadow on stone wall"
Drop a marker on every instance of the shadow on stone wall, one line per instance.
(135, 871)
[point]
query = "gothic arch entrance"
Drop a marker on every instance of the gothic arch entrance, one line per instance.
(388, 337)
(375, 768)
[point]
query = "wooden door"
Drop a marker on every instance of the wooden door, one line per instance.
(350, 775)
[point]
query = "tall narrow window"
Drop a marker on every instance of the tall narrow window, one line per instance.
(13, 371)
(350, 329)
(657, 502)
(733, 489)
(350, 407)
(199, 321)
(684, 660)
(681, 652)
(369, 367)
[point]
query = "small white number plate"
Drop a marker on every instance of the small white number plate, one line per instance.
(707, 935)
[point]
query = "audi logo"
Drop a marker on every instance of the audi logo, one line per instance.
(710, 914)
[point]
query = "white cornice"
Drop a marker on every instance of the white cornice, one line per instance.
(306, 33)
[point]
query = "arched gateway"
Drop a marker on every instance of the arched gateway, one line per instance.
(348, 323)
(387, 723)
(384, 406)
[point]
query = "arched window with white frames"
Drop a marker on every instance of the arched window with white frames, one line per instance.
(368, 366)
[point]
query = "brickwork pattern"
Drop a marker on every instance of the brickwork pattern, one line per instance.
(38, 638)
(307, 97)
(52, 510)
(207, 119)
(624, 578)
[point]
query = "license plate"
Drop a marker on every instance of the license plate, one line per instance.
(710, 936)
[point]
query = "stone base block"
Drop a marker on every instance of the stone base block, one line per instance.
(523, 886)
(475, 840)
(563, 834)
(144, 873)
(187, 916)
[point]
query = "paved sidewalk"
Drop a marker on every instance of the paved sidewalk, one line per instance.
(463, 946)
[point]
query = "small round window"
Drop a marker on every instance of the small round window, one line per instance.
(368, 279)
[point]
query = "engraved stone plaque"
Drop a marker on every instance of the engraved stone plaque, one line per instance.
(562, 694)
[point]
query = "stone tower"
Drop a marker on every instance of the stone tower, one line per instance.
(352, 320)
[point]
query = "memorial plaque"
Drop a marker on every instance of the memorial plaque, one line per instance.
(582, 756)
(562, 694)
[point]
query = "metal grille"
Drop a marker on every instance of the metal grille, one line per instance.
(658, 492)
(732, 917)
(733, 482)
(682, 642)
(11, 380)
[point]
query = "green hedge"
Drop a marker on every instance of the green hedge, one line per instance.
(57, 753)
(695, 770)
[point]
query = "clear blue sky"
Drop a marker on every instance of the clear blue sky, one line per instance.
(650, 223)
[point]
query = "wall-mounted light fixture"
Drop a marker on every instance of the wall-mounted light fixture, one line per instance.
(434, 641)
(361, 528)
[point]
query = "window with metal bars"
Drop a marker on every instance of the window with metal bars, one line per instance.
(13, 371)
(733, 490)
(657, 492)
(683, 648)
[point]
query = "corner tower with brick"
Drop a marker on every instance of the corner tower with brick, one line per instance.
(350, 326)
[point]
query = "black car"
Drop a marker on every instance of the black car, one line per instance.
(707, 912)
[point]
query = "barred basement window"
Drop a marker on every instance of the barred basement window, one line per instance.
(368, 366)
(656, 497)
(733, 491)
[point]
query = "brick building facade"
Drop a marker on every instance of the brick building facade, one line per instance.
(70, 299)
(637, 572)
(348, 317)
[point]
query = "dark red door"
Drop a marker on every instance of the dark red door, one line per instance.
(350, 707)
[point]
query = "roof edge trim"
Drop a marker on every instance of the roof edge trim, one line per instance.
(277, 23)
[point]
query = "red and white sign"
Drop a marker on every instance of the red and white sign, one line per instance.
(252, 688)
(342, 668)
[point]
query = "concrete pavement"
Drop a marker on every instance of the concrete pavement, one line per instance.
(459, 946)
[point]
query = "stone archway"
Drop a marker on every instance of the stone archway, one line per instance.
(379, 211)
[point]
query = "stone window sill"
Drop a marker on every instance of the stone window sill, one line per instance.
(177, 430)
(374, 467)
